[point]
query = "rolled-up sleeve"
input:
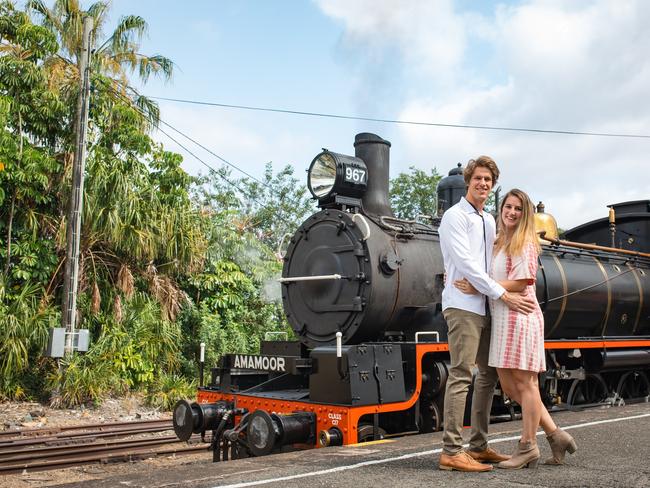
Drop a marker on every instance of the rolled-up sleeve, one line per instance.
(524, 266)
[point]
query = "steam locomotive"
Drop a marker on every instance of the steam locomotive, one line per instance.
(362, 291)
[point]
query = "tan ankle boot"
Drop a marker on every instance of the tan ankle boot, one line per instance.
(560, 442)
(525, 454)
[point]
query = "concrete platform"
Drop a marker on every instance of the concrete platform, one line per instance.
(613, 451)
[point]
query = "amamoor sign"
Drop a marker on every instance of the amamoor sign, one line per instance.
(262, 363)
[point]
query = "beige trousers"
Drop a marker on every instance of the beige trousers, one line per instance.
(469, 344)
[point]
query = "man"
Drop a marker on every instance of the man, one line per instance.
(467, 236)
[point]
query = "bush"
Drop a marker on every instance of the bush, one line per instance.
(83, 379)
(11, 389)
(167, 389)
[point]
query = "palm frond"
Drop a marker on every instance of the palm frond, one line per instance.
(149, 108)
(129, 28)
(125, 281)
(155, 65)
(50, 18)
(96, 299)
(117, 308)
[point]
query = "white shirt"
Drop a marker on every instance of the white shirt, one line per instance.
(466, 241)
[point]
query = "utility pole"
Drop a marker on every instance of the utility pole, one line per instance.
(73, 236)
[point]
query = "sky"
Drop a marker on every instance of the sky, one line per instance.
(543, 64)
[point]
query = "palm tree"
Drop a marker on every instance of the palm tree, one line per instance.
(133, 227)
(142, 235)
(113, 59)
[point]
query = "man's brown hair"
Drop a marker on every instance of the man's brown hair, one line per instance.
(481, 162)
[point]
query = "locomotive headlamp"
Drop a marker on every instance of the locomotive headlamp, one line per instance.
(332, 174)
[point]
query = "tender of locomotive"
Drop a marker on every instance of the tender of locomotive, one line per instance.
(362, 291)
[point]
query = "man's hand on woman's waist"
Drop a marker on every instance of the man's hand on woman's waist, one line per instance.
(519, 302)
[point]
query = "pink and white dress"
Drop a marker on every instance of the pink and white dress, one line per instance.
(517, 340)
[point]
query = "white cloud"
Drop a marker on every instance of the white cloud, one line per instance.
(428, 35)
(221, 132)
(579, 66)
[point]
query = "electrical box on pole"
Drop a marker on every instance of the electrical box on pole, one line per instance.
(57, 339)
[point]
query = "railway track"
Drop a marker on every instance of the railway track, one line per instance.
(53, 448)
(31, 450)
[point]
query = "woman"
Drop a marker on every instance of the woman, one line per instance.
(517, 341)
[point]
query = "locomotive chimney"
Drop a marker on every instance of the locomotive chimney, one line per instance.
(375, 152)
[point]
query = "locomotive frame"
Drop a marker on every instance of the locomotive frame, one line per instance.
(366, 366)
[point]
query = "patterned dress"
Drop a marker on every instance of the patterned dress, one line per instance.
(517, 340)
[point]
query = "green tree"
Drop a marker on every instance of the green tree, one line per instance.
(269, 207)
(148, 225)
(141, 232)
(24, 322)
(167, 260)
(235, 298)
(29, 114)
(114, 57)
(413, 194)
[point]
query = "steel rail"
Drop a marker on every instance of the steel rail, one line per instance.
(65, 428)
(88, 436)
(113, 457)
(11, 457)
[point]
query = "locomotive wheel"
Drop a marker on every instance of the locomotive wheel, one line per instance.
(438, 375)
(633, 385)
(510, 405)
(431, 417)
(365, 433)
(592, 389)
(436, 416)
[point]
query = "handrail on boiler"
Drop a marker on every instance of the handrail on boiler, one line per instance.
(593, 247)
(291, 279)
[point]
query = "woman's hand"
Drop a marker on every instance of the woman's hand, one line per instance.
(466, 287)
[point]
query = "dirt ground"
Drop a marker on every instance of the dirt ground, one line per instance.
(29, 415)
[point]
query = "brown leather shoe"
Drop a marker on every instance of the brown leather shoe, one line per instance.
(488, 455)
(462, 462)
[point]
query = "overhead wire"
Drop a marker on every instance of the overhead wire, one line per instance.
(403, 122)
(210, 168)
(262, 206)
(223, 160)
(132, 104)
(281, 197)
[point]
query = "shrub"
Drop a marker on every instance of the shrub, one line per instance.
(167, 389)
(84, 379)
(11, 389)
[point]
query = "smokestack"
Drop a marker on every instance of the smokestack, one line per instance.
(375, 152)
